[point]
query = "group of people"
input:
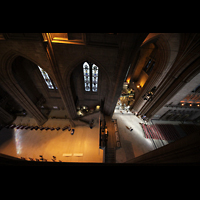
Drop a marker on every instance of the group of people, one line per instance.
(41, 159)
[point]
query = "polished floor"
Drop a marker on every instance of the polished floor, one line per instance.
(133, 143)
(83, 146)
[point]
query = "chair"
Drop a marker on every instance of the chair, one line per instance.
(12, 126)
(17, 127)
(21, 127)
(65, 128)
(31, 159)
(27, 127)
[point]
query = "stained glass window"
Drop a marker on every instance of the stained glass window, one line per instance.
(148, 68)
(94, 78)
(86, 74)
(55, 85)
(46, 78)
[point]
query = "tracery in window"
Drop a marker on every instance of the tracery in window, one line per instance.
(55, 85)
(148, 68)
(46, 78)
(94, 78)
(86, 74)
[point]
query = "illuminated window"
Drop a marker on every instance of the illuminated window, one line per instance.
(87, 77)
(55, 85)
(46, 78)
(86, 74)
(94, 78)
(148, 68)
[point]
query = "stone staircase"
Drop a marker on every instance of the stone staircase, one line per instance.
(110, 155)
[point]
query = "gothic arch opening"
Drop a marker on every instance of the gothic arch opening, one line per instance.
(145, 64)
(37, 85)
(182, 97)
(9, 108)
(89, 86)
(21, 68)
(155, 64)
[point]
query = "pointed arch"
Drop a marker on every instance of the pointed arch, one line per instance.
(166, 55)
(10, 84)
(90, 72)
(67, 84)
(95, 75)
(68, 71)
(47, 78)
(86, 74)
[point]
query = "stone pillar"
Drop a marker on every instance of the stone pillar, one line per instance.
(128, 47)
(15, 91)
(159, 71)
(185, 67)
(11, 86)
(64, 92)
(176, 84)
(153, 80)
(29, 106)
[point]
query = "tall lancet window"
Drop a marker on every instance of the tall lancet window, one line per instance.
(86, 74)
(46, 78)
(95, 70)
(90, 78)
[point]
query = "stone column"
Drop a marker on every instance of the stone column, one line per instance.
(153, 80)
(165, 95)
(11, 87)
(159, 70)
(64, 92)
(185, 67)
(128, 47)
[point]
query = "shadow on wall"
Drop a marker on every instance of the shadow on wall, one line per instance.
(5, 135)
(128, 148)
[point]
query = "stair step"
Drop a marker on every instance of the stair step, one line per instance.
(110, 155)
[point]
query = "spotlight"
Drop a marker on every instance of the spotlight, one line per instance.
(182, 104)
(190, 104)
